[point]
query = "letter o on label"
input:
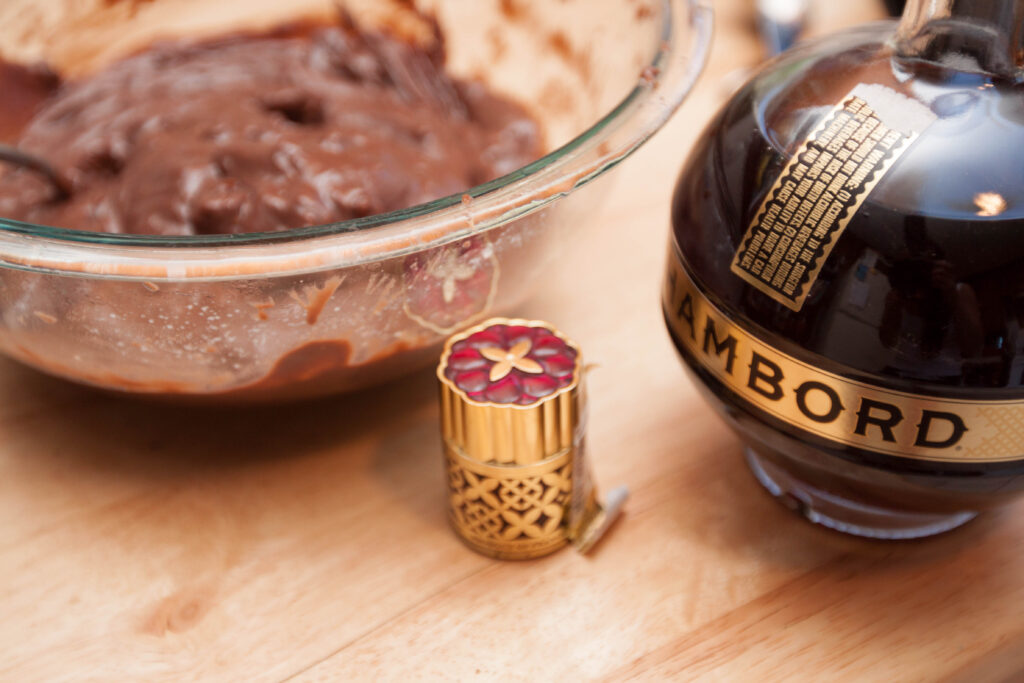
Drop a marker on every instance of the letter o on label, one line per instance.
(835, 405)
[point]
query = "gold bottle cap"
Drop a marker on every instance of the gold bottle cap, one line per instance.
(512, 422)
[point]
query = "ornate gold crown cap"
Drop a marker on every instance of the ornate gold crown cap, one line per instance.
(512, 423)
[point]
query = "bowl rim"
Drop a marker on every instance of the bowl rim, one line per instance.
(679, 56)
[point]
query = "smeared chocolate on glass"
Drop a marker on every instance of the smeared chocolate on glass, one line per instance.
(305, 125)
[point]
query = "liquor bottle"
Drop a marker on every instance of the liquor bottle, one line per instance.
(846, 269)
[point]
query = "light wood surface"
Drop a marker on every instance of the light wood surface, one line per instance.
(309, 542)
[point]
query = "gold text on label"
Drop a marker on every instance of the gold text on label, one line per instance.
(830, 406)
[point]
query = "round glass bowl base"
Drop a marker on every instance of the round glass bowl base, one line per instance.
(850, 517)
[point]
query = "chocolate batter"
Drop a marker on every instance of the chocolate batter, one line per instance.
(254, 133)
(263, 132)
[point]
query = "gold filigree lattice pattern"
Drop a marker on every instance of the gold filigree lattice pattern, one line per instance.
(510, 515)
(1004, 429)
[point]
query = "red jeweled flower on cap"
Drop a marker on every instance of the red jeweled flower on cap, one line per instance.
(514, 364)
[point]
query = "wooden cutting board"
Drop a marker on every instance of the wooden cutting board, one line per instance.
(140, 542)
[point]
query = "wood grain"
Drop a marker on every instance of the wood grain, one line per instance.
(309, 542)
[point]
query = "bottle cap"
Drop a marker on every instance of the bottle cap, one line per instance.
(512, 421)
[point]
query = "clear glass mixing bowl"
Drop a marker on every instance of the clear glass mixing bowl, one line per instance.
(336, 307)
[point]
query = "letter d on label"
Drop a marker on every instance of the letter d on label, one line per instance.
(924, 429)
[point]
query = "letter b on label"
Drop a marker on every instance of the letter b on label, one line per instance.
(765, 377)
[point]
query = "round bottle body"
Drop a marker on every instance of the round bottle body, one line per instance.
(889, 400)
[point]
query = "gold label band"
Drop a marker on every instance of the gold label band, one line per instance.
(830, 406)
(821, 188)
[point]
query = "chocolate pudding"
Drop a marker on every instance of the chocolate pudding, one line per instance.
(255, 133)
(304, 125)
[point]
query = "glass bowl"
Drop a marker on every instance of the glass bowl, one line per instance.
(331, 308)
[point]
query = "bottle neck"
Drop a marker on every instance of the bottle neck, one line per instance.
(975, 36)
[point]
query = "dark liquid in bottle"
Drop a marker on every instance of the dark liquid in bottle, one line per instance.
(923, 292)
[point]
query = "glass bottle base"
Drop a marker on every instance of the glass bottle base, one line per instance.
(850, 517)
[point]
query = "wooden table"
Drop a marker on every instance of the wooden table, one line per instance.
(310, 542)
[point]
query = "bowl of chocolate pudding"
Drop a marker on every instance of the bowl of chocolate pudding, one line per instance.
(252, 201)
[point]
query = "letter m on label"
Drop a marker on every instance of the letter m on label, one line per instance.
(726, 346)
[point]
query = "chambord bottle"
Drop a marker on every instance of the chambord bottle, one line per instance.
(846, 270)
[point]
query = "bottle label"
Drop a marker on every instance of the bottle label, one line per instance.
(836, 408)
(821, 188)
